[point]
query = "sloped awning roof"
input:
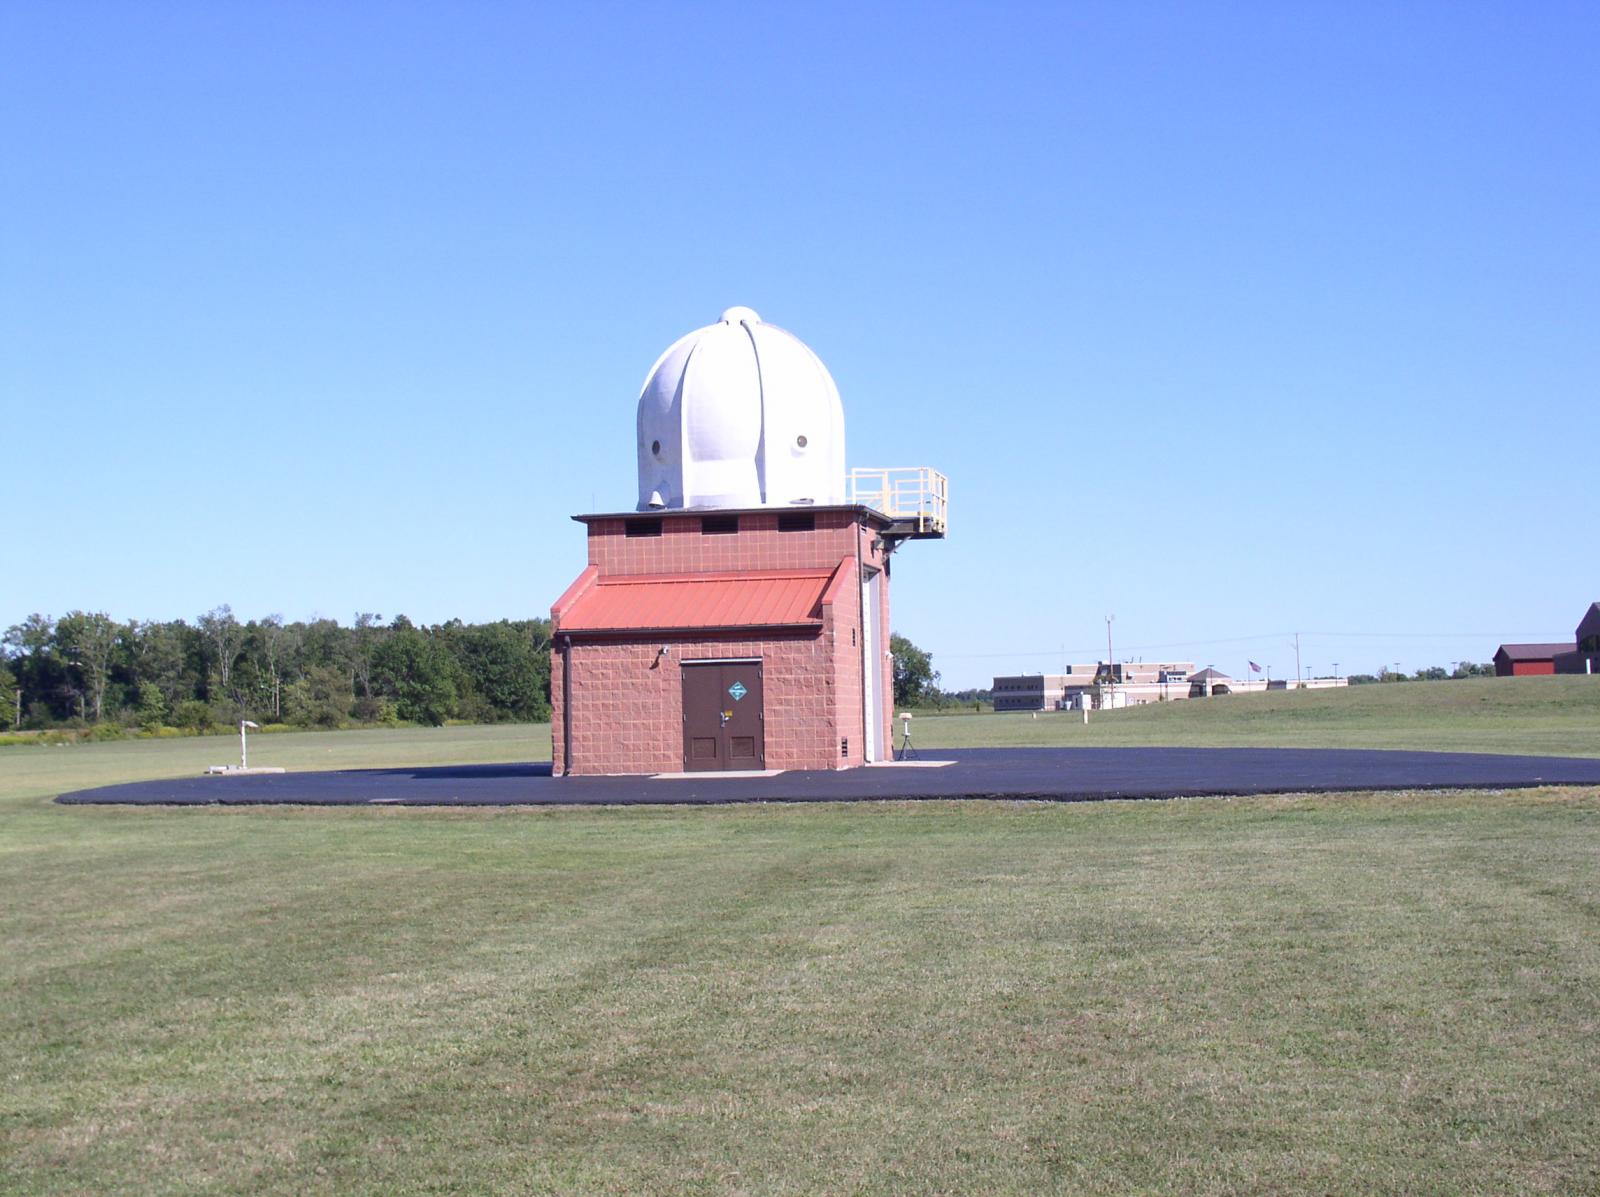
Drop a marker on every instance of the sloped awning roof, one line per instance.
(690, 602)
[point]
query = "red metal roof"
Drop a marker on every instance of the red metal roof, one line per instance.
(661, 602)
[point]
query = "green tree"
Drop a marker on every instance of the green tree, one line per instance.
(51, 687)
(413, 669)
(270, 649)
(224, 639)
(364, 639)
(324, 642)
(10, 715)
(916, 682)
(193, 714)
(88, 640)
(151, 705)
(506, 666)
(322, 698)
(164, 655)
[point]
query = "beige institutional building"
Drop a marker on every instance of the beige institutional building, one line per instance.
(1129, 684)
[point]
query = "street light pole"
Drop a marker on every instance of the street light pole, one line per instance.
(1111, 665)
(244, 753)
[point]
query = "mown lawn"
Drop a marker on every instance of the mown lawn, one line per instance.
(1555, 716)
(1349, 993)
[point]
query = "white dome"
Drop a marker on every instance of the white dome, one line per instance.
(740, 414)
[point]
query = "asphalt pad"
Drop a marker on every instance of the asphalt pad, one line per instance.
(1041, 774)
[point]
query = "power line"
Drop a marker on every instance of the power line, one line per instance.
(1084, 650)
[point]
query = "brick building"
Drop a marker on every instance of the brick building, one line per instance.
(1584, 656)
(1581, 654)
(1528, 660)
(739, 619)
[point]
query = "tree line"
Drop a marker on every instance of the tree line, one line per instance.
(916, 681)
(1432, 673)
(88, 669)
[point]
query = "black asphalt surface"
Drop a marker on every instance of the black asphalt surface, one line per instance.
(1048, 774)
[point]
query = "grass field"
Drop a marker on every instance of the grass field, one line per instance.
(1346, 993)
(1558, 716)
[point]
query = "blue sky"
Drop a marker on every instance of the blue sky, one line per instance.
(1232, 320)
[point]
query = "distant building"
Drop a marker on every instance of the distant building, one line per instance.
(1127, 684)
(1209, 682)
(1080, 685)
(1585, 656)
(1581, 654)
(1529, 660)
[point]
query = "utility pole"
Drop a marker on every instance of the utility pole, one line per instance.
(17, 723)
(1298, 680)
(1336, 671)
(1111, 685)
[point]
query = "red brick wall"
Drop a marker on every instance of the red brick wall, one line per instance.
(628, 701)
(683, 549)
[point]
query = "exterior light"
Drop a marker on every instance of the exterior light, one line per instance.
(244, 754)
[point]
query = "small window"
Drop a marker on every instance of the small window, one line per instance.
(642, 528)
(797, 521)
(719, 525)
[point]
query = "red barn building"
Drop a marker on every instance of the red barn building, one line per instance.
(739, 619)
(1527, 660)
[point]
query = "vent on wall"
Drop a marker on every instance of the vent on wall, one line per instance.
(642, 528)
(797, 521)
(844, 747)
(719, 525)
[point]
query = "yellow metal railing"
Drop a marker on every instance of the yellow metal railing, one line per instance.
(918, 494)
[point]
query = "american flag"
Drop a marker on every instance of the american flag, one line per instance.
(1255, 667)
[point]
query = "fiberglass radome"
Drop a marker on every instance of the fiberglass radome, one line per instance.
(740, 414)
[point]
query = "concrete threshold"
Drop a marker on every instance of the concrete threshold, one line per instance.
(235, 771)
(712, 775)
(908, 764)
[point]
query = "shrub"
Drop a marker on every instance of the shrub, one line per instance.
(152, 705)
(193, 714)
(320, 699)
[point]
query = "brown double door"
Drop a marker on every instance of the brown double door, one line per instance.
(722, 723)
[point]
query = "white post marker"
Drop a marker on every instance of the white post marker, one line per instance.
(244, 753)
(906, 751)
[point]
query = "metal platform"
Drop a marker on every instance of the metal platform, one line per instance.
(916, 498)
